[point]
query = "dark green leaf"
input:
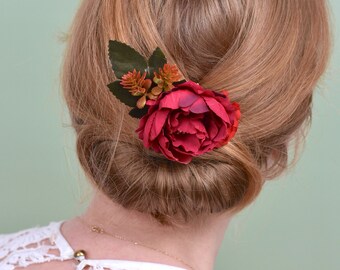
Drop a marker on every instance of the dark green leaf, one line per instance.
(156, 60)
(178, 82)
(122, 94)
(124, 58)
(138, 113)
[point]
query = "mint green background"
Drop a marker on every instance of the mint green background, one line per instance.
(294, 224)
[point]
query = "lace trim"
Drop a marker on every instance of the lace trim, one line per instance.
(43, 244)
(34, 245)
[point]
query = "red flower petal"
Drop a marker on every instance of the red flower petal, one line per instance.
(177, 99)
(189, 142)
(160, 116)
(187, 98)
(164, 147)
(147, 129)
(192, 86)
(217, 108)
(212, 130)
(199, 126)
(140, 129)
(182, 156)
(199, 106)
(222, 133)
(186, 126)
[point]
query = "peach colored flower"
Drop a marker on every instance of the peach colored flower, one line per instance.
(136, 83)
(164, 78)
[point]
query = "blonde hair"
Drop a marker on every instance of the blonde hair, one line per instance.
(268, 54)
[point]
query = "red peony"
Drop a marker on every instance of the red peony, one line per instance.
(188, 121)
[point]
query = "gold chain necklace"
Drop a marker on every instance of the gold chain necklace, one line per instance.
(97, 229)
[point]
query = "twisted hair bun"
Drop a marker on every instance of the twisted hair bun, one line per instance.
(268, 54)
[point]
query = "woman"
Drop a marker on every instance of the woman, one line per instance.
(150, 211)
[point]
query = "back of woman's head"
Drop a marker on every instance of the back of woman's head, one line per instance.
(268, 54)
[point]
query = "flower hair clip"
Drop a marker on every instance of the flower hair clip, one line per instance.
(178, 118)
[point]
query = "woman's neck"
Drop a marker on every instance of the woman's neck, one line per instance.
(196, 244)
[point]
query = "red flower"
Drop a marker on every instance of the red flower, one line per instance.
(188, 121)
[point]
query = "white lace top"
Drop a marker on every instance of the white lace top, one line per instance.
(46, 243)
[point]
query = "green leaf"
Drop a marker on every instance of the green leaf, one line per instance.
(178, 82)
(138, 113)
(124, 58)
(156, 61)
(123, 94)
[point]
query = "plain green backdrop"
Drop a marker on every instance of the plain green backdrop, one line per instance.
(294, 224)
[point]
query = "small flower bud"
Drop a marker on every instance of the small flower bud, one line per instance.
(141, 102)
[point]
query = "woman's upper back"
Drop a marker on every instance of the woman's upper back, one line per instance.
(44, 247)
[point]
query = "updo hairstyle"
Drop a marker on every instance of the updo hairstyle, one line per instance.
(268, 54)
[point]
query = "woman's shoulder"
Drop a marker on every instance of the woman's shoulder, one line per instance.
(34, 245)
(44, 247)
